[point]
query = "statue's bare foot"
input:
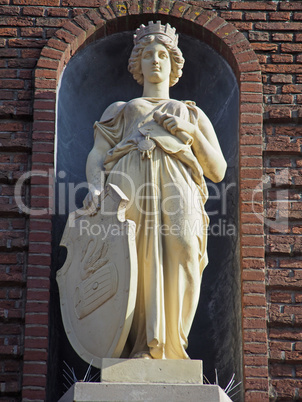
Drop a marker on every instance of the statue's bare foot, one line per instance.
(142, 355)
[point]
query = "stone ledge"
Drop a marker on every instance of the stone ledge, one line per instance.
(100, 392)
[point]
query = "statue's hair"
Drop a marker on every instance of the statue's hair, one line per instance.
(177, 60)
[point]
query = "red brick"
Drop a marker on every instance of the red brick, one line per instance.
(36, 318)
(282, 37)
(10, 10)
(279, 16)
(96, 18)
(259, 396)
(8, 31)
(251, 98)
(34, 380)
(231, 15)
(65, 36)
(285, 278)
(293, 5)
(255, 348)
(281, 370)
(31, 32)
(281, 68)
(43, 73)
(291, 47)
(262, 58)
(134, 8)
(58, 12)
(35, 43)
(281, 297)
(253, 5)
(9, 350)
(255, 360)
(8, 73)
(16, 21)
(194, 13)
(37, 307)
(85, 24)
(255, 286)
(79, 3)
(34, 11)
(288, 99)
(36, 367)
(179, 8)
(252, 263)
(282, 58)
(251, 118)
(295, 89)
(256, 16)
(243, 26)
(286, 388)
(8, 53)
(251, 229)
(279, 26)
(265, 47)
(256, 372)
(49, 22)
(11, 386)
(293, 334)
(35, 355)
(36, 343)
(51, 53)
(108, 13)
(258, 36)
(257, 312)
(30, 394)
(39, 260)
(120, 9)
(254, 300)
(38, 2)
(37, 271)
(289, 130)
(279, 114)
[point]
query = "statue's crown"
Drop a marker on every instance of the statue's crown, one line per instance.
(155, 29)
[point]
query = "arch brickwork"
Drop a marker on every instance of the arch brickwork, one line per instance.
(191, 19)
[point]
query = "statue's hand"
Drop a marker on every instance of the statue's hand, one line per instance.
(173, 123)
(92, 202)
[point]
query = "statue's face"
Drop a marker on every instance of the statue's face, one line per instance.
(156, 63)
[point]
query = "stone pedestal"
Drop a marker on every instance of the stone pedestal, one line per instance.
(145, 371)
(147, 380)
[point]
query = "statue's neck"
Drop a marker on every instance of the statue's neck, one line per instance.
(160, 90)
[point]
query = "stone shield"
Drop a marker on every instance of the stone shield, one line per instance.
(98, 280)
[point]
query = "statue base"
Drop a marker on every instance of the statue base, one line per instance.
(148, 371)
(98, 392)
(147, 380)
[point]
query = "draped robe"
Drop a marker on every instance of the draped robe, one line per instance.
(167, 193)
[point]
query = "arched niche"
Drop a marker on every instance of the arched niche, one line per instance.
(94, 78)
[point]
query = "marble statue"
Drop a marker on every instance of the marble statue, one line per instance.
(156, 151)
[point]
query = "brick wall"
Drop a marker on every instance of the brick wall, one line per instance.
(274, 31)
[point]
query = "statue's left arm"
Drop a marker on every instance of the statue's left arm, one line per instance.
(205, 145)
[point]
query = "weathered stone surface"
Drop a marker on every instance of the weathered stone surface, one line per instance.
(152, 371)
(97, 392)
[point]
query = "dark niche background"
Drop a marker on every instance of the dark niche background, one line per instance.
(93, 79)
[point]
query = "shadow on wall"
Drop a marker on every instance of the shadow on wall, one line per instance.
(96, 77)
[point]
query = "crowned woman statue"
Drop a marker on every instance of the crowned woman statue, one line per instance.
(157, 150)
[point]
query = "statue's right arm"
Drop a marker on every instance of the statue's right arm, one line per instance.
(95, 171)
